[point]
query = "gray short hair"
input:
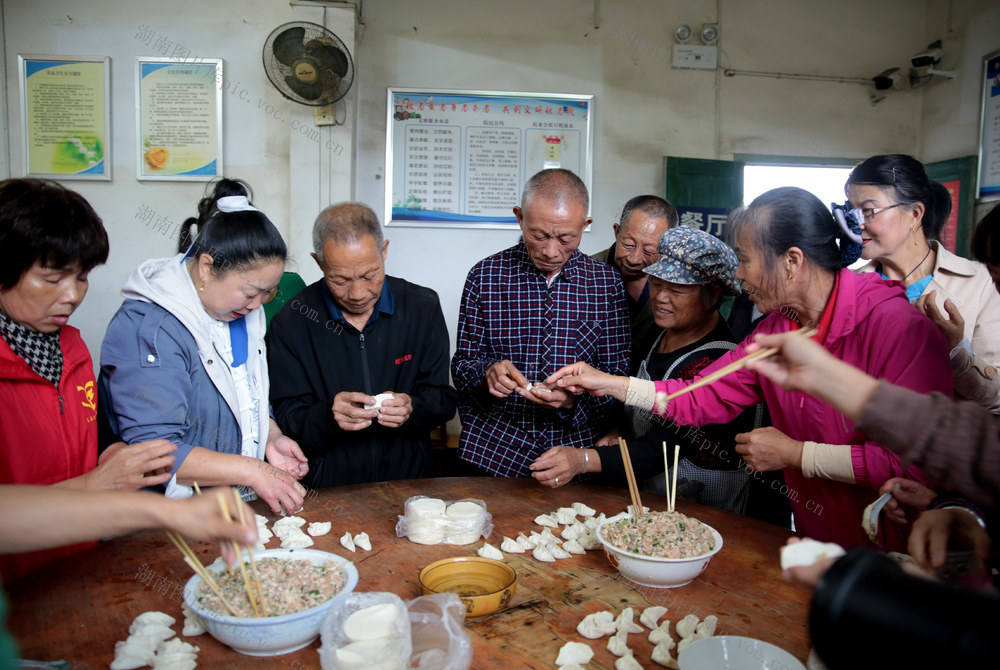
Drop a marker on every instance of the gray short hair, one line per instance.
(651, 205)
(558, 184)
(344, 223)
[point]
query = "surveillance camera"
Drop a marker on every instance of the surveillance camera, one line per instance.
(889, 79)
(929, 56)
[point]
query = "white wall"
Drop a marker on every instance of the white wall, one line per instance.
(293, 176)
(644, 108)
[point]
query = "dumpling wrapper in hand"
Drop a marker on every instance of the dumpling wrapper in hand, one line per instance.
(362, 541)
(546, 520)
(543, 553)
(618, 643)
(574, 652)
(319, 528)
(371, 623)
(626, 622)
(707, 627)
(347, 541)
(573, 547)
(583, 510)
(597, 625)
(662, 656)
(651, 615)
(511, 546)
(808, 551)
(628, 662)
(686, 627)
(489, 551)
(661, 635)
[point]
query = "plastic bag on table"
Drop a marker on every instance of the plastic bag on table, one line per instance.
(391, 657)
(439, 640)
(434, 521)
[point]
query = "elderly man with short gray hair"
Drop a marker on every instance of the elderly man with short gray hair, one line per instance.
(359, 360)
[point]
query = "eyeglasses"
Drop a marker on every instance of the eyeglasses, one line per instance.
(866, 214)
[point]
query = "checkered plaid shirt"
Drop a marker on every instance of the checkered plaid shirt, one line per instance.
(508, 312)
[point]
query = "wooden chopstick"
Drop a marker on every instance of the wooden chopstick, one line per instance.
(192, 560)
(673, 494)
(253, 563)
(733, 367)
(239, 555)
(633, 489)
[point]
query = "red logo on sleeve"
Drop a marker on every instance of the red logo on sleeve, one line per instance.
(403, 359)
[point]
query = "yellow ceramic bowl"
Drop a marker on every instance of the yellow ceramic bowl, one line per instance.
(484, 585)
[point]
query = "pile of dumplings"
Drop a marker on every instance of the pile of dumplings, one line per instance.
(149, 644)
(289, 530)
(577, 537)
(573, 655)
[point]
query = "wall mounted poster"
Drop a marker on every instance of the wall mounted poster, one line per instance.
(65, 116)
(459, 159)
(179, 119)
(989, 129)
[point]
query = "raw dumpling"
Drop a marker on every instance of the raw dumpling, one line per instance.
(362, 541)
(707, 627)
(573, 531)
(627, 662)
(565, 515)
(130, 655)
(597, 625)
(175, 655)
(661, 635)
(283, 525)
(807, 552)
(571, 666)
(661, 655)
(583, 510)
(193, 625)
(154, 631)
(147, 618)
(558, 552)
(542, 553)
(574, 652)
(371, 623)
(626, 622)
(511, 546)
(319, 528)
(573, 547)
(527, 542)
(546, 520)
(651, 615)
(347, 541)
(548, 537)
(489, 551)
(296, 540)
(618, 643)
(687, 626)
(589, 541)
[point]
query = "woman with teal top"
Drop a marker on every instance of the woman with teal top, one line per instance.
(901, 213)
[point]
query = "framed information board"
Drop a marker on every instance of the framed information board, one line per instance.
(458, 159)
(989, 129)
(178, 113)
(65, 116)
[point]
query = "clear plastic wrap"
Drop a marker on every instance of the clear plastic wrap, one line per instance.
(392, 657)
(439, 640)
(433, 521)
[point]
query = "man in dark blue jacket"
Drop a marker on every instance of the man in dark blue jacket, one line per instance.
(359, 360)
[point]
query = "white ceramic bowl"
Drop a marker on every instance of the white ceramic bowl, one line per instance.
(732, 652)
(660, 573)
(271, 636)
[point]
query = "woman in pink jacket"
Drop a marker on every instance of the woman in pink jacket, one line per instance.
(793, 256)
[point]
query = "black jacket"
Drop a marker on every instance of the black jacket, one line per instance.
(313, 356)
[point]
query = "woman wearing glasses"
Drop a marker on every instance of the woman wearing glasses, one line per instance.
(184, 358)
(903, 213)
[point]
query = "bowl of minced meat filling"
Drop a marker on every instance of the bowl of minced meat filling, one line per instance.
(659, 549)
(299, 588)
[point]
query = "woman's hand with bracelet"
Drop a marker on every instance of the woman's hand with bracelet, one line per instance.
(559, 465)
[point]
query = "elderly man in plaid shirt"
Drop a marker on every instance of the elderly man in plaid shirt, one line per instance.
(526, 312)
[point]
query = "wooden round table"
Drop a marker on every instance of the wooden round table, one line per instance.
(76, 609)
